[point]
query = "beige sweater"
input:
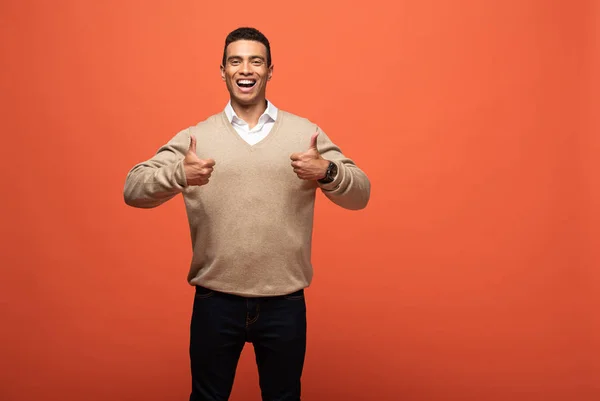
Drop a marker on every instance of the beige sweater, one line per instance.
(251, 225)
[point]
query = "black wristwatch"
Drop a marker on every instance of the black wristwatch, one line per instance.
(330, 174)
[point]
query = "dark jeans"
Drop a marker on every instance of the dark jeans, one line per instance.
(221, 325)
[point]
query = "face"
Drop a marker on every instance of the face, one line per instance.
(245, 72)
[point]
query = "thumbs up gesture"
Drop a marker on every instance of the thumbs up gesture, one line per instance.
(310, 165)
(197, 171)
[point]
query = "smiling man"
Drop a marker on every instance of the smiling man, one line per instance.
(248, 176)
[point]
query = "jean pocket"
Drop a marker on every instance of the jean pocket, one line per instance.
(202, 293)
(296, 296)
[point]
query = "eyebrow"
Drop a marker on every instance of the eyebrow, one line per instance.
(250, 57)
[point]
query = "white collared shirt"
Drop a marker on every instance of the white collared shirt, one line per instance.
(260, 131)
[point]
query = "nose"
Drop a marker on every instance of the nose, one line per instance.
(246, 68)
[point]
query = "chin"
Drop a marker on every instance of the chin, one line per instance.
(247, 100)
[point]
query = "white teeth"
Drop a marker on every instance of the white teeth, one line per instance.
(245, 82)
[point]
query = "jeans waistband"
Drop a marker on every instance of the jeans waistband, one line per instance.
(202, 289)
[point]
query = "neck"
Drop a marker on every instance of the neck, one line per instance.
(250, 113)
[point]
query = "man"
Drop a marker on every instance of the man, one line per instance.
(248, 176)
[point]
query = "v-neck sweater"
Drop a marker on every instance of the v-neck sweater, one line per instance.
(251, 226)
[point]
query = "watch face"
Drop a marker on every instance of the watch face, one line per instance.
(330, 173)
(333, 169)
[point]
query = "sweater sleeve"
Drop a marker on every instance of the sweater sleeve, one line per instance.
(153, 182)
(351, 188)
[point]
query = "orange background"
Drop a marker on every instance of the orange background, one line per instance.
(472, 275)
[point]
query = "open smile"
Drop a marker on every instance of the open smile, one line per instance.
(245, 85)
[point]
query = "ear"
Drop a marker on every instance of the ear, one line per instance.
(222, 73)
(270, 73)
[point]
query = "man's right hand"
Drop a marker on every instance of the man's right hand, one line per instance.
(197, 171)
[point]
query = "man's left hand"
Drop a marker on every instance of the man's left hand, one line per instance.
(310, 165)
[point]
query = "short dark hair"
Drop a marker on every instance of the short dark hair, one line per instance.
(246, 33)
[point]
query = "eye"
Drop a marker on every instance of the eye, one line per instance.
(234, 62)
(257, 62)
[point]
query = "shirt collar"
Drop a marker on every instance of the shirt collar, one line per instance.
(270, 112)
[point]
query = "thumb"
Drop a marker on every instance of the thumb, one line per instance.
(192, 144)
(313, 141)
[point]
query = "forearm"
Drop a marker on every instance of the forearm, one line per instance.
(351, 188)
(148, 185)
(153, 182)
